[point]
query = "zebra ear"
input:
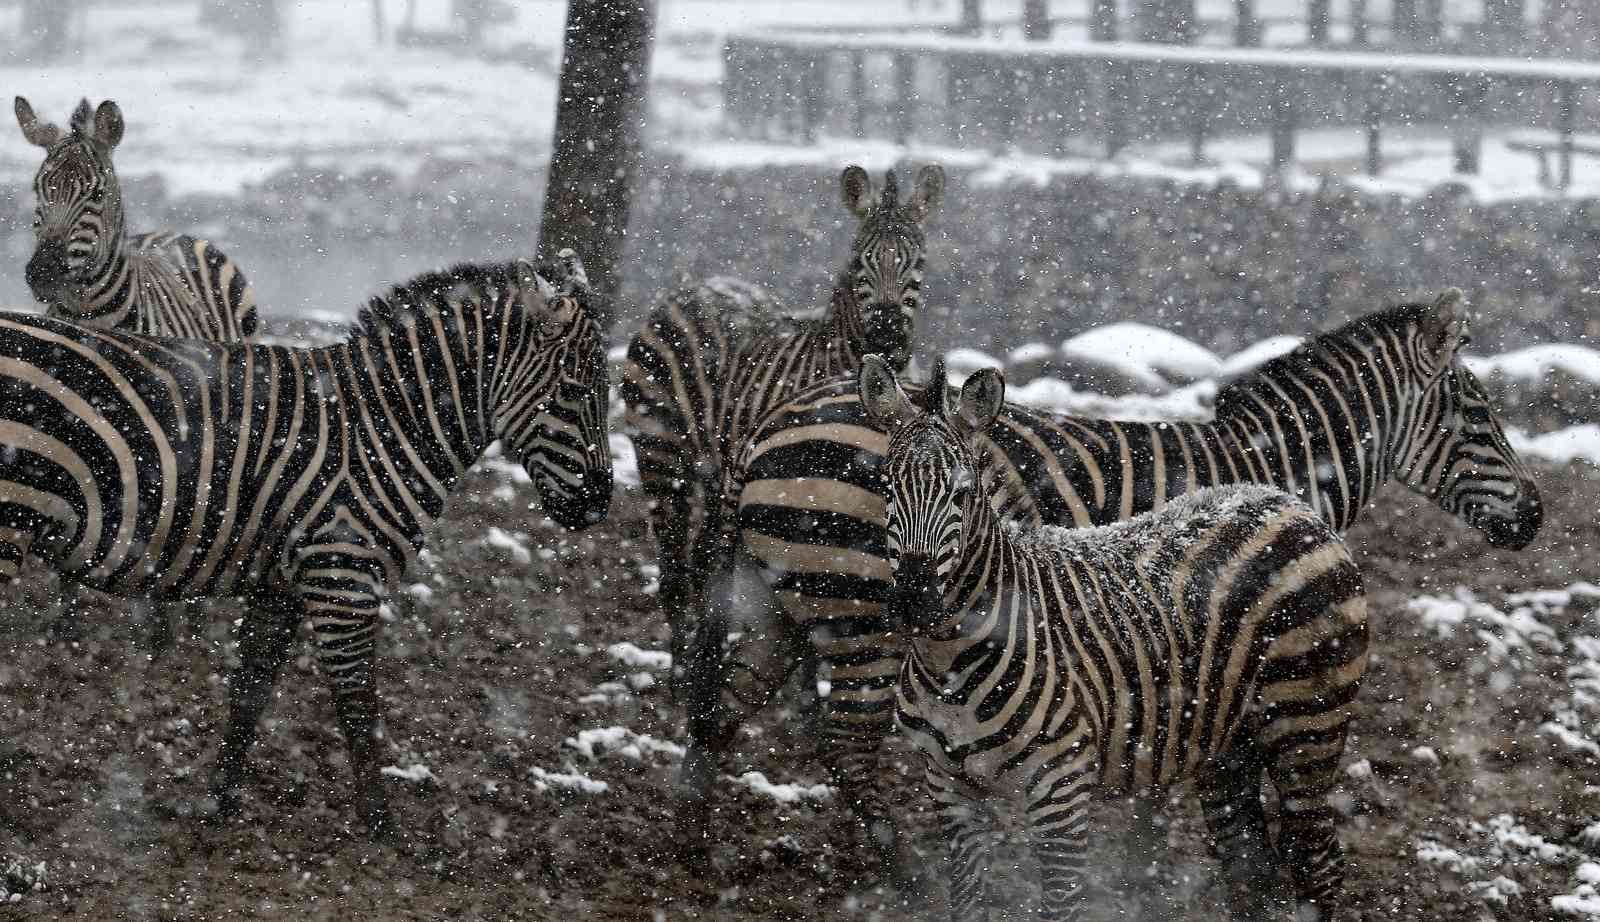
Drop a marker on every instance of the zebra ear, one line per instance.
(108, 124)
(41, 134)
(886, 403)
(982, 398)
(855, 187)
(574, 279)
(929, 190)
(1445, 325)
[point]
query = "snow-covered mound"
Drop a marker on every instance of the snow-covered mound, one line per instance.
(1192, 403)
(1535, 363)
(1143, 349)
(959, 363)
(1255, 355)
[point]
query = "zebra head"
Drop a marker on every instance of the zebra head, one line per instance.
(78, 219)
(1452, 449)
(885, 273)
(932, 474)
(552, 410)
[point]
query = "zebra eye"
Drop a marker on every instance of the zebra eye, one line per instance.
(38, 219)
(909, 301)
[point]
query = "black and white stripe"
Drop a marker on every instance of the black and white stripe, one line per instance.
(1222, 638)
(1384, 397)
(86, 268)
(300, 479)
(714, 357)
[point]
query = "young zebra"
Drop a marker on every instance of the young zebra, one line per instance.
(713, 358)
(86, 268)
(1383, 397)
(300, 479)
(1223, 636)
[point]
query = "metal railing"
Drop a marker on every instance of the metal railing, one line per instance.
(1058, 99)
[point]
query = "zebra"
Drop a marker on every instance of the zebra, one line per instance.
(803, 549)
(1221, 638)
(86, 268)
(302, 480)
(713, 357)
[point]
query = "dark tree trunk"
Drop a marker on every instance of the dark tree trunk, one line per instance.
(1502, 22)
(1317, 21)
(1246, 27)
(605, 68)
(1169, 21)
(1036, 20)
(259, 21)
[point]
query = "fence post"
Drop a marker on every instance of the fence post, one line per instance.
(813, 79)
(1285, 116)
(1317, 21)
(1377, 96)
(1358, 23)
(858, 90)
(1467, 94)
(905, 90)
(1566, 110)
(1199, 109)
(1103, 21)
(1119, 90)
(1246, 27)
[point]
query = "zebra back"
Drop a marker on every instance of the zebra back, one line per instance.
(86, 269)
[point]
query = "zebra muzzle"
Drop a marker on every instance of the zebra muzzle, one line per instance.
(917, 598)
(47, 272)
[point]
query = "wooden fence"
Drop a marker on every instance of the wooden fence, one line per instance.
(1059, 99)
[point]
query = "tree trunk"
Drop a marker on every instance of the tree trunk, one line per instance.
(1036, 20)
(1317, 20)
(605, 69)
(1169, 21)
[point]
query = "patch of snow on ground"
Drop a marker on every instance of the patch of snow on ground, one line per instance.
(1574, 443)
(639, 658)
(1031, 352)
(19, 877)
(414, 772)
(783, 793)
(510, 543)
(1492, 854)
(599, 741)
(1503, 635)
(624, 461)
(570, 781)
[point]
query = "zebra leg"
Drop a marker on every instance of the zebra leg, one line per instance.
(670, 515)
(1304, 770)
(967, 826)
(1058, 827)
(725, 685)
(265, 637)
(1230, 798)
(345, 625)
(857, 716)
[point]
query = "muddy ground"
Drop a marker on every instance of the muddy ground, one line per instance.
(506, 659)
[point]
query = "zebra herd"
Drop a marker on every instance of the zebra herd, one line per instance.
(1052, 608)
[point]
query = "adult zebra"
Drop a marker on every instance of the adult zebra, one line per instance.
(1219, 638)
(300, 479)
(712, 358)
(1385, 396)
(85, 268)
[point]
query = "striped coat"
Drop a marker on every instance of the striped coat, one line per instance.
(1220, 638)
(301, 479)
(712, 358)
(1384, 397)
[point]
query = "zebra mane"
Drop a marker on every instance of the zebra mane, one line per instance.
(891, 193)
(1358, 332)
(430, 291)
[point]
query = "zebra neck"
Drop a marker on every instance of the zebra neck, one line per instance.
(843, 331)
(110, 298)
(1330, 446)
(423, 408)
(978, 604)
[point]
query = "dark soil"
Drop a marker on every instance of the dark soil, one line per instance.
(102, 750)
